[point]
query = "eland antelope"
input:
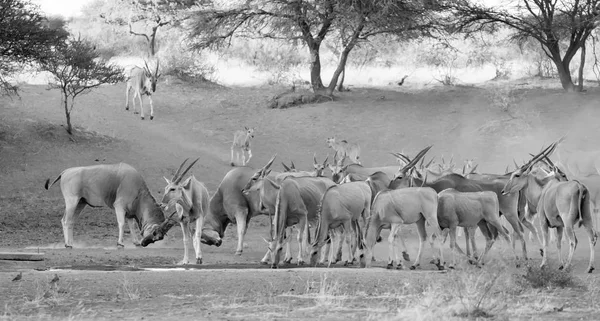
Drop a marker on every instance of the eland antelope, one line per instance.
(143, 82)
(191, 198)
(229, 205)
(415, 205)
(241, 145)
(291, 200)
(561, 204)
(342, 206)
(470, 209)
(117, 186)
(345, 149)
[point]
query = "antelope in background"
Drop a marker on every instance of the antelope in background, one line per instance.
(241, 145)
(143, 82)
(345, 149)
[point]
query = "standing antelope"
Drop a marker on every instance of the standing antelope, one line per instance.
(241, 144)
(345, 149)
(142, 81)
(191, 200)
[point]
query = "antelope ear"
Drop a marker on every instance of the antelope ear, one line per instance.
(186, 184)
(166, 179)
(267, 173)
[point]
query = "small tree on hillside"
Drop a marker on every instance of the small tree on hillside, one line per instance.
(25, 37)
(77, 69)
(560, 27)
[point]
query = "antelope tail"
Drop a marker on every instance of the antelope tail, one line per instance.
(584, 205)
(48, 185)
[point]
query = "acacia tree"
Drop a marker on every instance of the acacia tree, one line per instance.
(145, 17)
(25, 37)
(311, 21)
(560, 27)
(77, 69)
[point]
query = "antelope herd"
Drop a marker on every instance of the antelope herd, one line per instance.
(351, 206)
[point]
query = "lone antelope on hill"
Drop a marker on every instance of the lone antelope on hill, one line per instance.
(241, 145)
(345, 149)
(143, 82)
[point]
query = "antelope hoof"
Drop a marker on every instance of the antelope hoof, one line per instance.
(373, 259)
(238, 252)
(440, 267)
(389, 266)
(151, 117)
(232, 164)
(300, 262)
(126, 107)
(287, 261)
(70, 247)
(451, 267)
(541, 252)
(264, 262)
(136, 112)
(413, 267)
(399, 267)
(561, 267)
(142, 118)
(405, 256)
(273, 266)
(472, 262)
(346, 263)
(590, 269)
(199, 260)
(120, 246)
(518, 265)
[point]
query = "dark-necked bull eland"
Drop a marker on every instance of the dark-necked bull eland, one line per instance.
(143, 82)
(118, 186)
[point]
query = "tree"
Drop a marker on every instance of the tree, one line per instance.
(145, 17)
(311, 21)
(25, 37)
(77, 69)
(560, 27)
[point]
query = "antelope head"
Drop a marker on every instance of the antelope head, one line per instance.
(174, 189)
(518, 179)
(255, 182)
(319, 167)
(151, 77)
(403, 171)
(337, 169)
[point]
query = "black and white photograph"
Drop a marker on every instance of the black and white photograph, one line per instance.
(299, 160)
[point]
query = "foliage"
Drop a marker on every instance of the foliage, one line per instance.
(556, 26)
(349, 21)
(545, 277)
(77, 69)
(25, 37)
(144, 17)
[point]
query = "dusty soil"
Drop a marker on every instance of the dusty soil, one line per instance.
(97, 281)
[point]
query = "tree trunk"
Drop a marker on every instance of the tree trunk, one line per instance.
(340, 86)
(315, 67)
(67, 114)
(565, 75)
(581, 65)
(340, 68)
(153, 41)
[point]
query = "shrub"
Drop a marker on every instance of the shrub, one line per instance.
(545, 277)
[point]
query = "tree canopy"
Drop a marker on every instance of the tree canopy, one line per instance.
(25, 36)
(311, 21)
(560, 27)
